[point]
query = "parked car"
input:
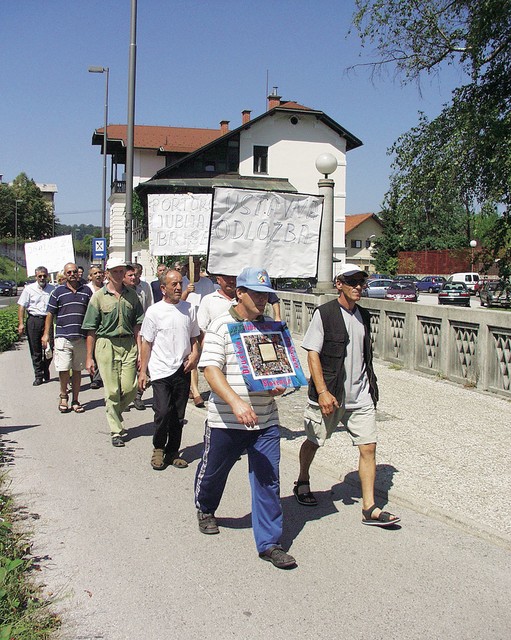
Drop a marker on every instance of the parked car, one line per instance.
(8, 288)
(376, 288)
(431, 284)
(454, 293)
(380, 276)
(406, 278)
(402, 290)
(470, 278)
(495, 293)
(296, 286)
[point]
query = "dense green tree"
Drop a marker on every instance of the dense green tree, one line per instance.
(35, 214)
(448, 169)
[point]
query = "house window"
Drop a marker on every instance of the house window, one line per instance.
(260, 159)
(368, 244)
(356, 244)
(209, 166)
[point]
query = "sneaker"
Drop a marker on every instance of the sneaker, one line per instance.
(157, 459)
(278, 557)
(124, 435)
(37, 382)
(207, 523)
(117, 441)
(138, 403)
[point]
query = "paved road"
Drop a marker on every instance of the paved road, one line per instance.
(120, 548)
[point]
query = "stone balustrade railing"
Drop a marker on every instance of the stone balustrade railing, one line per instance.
(467, 346)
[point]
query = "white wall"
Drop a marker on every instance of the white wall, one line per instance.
(292, 153)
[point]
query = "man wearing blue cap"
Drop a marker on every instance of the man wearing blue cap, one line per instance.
(240, 420)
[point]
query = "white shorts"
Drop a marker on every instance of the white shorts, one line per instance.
(69, 354)
(359, 423)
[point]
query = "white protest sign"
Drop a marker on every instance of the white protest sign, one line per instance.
(178, 223)
(275, 230)
(53, 254)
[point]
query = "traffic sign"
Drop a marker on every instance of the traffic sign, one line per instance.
(98, 248)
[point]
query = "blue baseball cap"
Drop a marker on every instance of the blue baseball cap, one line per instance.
(255, 279)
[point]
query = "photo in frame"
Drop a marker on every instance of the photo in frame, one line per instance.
(266, 355)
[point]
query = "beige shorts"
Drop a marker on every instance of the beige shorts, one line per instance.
(69, 354)
(359, 423)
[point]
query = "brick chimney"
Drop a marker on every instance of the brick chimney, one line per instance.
(274, 99)
(224, 126)
(245, 116)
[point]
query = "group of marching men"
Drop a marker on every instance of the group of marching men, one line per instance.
(128, 333)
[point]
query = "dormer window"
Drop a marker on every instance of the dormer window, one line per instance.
(260, 159)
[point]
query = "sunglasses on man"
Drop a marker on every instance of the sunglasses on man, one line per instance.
(354, 282)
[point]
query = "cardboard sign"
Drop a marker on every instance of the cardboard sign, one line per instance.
(266, 355)
(275, 230)
(53, 254)
(178, 223)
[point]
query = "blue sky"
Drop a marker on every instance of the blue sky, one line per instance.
(198, 62)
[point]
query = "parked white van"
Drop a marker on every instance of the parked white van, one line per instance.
(470, 278)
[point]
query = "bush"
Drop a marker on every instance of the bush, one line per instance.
(8, 327)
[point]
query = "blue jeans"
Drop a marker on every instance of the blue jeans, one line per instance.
(222, 448)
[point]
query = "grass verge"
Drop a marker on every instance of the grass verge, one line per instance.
(24, 613)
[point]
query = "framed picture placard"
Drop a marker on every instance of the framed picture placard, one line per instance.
(266, 355)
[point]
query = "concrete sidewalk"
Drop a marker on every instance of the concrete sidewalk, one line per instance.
(119, 545)
(442, 449)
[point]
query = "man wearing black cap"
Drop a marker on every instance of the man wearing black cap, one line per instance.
(342, 388)
(240, 420)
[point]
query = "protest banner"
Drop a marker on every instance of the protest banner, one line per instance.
(178, 223)
(275, 230)
(266, 355)
(52, 253)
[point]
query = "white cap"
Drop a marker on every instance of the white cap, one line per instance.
(112, 263)
(350, 270)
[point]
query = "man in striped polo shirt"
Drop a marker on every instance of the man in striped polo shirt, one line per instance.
(240, 420)
(68, 304)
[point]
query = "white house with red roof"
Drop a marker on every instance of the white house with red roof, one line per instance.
(276, 150)
(361, 232)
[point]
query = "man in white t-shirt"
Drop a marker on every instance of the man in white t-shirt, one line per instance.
(170, 351)
(342, 388)
(240, 420)
(217, 303)
(194, 292)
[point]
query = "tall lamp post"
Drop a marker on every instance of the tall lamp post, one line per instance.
(326, 164)
(16, 202)
(473, 245)
(106, 71)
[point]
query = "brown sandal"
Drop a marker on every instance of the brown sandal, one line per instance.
(77, 407)
(63, 403)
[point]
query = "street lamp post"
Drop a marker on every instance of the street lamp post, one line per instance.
(16, 202)
(106, 71)
(326, 164)
(473, 245)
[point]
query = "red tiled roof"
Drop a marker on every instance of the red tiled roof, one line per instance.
(293, 105)
(177, 139)
(356, 220)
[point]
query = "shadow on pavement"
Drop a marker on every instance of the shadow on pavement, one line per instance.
(19, 427)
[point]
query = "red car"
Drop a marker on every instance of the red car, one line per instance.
(402, 290)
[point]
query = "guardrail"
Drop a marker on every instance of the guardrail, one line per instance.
(470, 347)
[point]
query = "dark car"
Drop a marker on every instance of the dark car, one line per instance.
(376, 288)
(380, 276)
(431, 284)
(454, 293)
(8, 288)
(402, 290)
(495, 293)
(296, 286)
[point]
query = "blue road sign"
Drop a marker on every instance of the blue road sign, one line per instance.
(98, 248)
